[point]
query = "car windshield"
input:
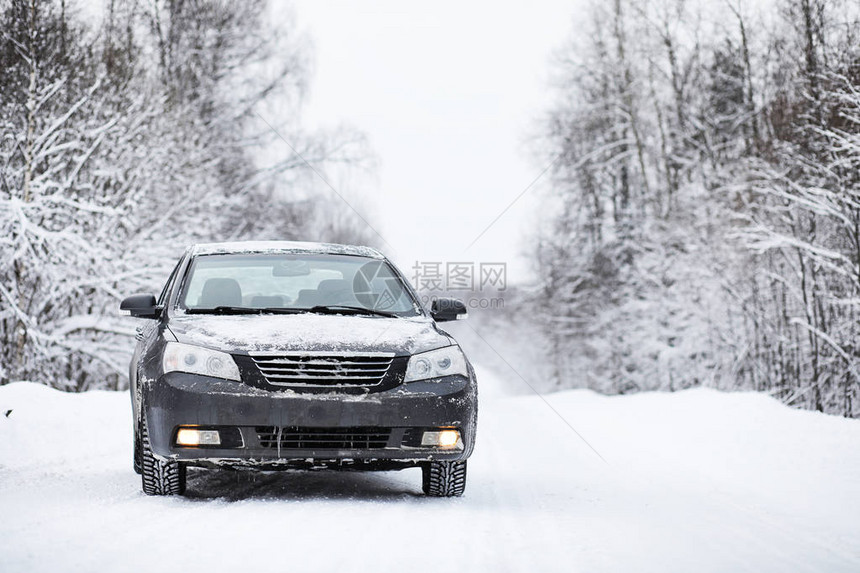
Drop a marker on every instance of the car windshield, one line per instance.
(280, 282)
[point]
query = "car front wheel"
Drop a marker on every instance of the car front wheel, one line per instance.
(159, 476)
(444, 479)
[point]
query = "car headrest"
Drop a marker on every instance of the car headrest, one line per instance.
(220, 292)
(307, 298)
(331, 285)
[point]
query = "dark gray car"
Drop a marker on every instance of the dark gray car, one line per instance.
(284, 355)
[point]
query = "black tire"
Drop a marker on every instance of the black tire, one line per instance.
(136, 460)
(159, 476)
(444, 479)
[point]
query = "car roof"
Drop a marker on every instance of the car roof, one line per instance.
(239, 247)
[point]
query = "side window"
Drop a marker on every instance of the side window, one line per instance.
(162, 298)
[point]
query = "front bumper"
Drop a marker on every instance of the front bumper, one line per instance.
(179, 399)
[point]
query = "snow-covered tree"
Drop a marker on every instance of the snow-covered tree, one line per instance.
(704, 222)
(122, 143)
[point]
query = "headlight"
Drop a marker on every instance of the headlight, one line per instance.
(442, 362)
(180, 357)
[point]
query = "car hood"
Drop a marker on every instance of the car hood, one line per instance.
(308, 332)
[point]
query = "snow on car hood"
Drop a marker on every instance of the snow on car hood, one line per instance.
(257, 333)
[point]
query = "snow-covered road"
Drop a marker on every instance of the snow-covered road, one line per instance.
(695, 481)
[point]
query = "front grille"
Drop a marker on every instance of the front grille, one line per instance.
(323, 369)
(323, 438)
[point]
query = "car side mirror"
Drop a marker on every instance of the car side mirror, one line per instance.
(141, 306)
(445, 309)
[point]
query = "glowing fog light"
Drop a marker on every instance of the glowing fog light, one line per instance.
(195, 437)
(442, 439)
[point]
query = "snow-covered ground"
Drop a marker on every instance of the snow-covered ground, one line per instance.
(695, 481)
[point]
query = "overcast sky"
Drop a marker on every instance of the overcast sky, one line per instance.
(448, 94)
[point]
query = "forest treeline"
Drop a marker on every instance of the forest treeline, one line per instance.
(703, 226)
(130, 129)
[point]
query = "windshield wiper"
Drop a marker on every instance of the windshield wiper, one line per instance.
(322, 309)
(346, 309)
(243, 310)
